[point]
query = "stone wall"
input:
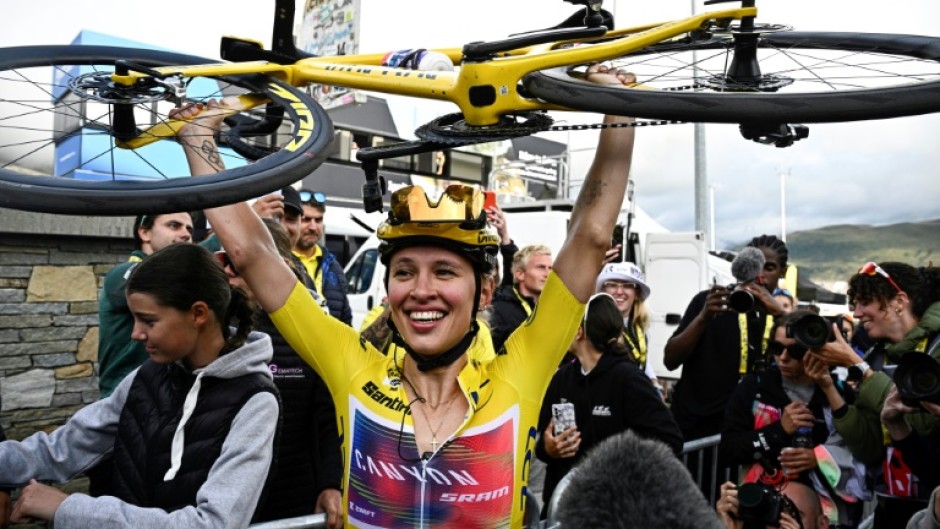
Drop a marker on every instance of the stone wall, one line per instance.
(49, 286)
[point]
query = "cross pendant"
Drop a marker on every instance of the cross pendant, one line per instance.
(433, 443)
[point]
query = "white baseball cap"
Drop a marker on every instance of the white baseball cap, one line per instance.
(624, 272)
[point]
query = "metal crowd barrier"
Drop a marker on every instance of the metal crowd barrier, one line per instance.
(311, 521)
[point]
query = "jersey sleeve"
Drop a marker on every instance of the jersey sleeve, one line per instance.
(538, 345)
(332, 348)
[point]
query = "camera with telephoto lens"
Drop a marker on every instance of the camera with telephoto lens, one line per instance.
(759, 505)
(813, 331)
(740, 300)
(917, 377)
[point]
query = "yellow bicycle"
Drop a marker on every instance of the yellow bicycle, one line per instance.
(718, 66)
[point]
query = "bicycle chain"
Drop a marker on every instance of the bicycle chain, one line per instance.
(619, 125)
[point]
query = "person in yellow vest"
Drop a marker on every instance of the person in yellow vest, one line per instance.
(321, 265)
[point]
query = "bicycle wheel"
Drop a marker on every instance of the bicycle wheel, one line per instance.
(806, 78)
(57, 153)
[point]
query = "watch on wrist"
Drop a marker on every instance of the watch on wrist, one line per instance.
(857, 371)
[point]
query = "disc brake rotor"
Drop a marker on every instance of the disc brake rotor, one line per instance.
(100, 87)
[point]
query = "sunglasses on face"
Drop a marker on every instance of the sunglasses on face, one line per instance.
(795, 350)
(314, 197)
(613, 286)
(224, 260)
(871, 269)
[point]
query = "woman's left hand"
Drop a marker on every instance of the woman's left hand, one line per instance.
(838, 352)
(817, 369)
(37, 501)
(797, 460)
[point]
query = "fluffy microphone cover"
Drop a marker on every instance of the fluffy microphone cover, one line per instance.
(630, 482)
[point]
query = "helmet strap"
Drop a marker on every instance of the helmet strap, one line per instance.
(448, 357)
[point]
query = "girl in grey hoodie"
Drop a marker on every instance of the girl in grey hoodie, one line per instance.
(191, 431)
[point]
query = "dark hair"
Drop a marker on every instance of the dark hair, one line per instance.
(773, 243)
(182, 274)
(790, 317)
(147, 221)
(283, 245)
(603, 325)
(922, 286)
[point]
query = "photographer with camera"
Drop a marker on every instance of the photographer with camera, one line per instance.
(898, 305)
(778, 421)
(751, 506)
(717, 345)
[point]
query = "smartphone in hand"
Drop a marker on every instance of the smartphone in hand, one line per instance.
(563, 415)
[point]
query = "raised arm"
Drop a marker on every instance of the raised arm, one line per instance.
(601, 197)
(239, 229)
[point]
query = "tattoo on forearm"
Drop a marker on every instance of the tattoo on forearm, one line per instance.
(212, 153)
(591, 192)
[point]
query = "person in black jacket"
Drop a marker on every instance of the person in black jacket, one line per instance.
(609, 393)
(309, 472)
(764, 415)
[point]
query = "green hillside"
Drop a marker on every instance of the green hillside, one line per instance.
(835, 252)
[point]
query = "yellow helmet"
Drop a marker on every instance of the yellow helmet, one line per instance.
(456, 221)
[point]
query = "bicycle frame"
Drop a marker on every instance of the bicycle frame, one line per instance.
(483, 91)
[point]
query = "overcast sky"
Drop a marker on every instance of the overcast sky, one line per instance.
(860, 173)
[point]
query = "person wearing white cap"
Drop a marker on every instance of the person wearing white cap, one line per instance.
(626, 283)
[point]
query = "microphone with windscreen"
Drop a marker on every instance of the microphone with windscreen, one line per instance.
(745, 268)
(626, 482)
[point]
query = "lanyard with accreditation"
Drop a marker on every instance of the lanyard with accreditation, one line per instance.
(742, 327)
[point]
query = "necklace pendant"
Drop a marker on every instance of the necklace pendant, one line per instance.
(433, 443)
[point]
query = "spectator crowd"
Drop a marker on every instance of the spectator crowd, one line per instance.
(232, 383)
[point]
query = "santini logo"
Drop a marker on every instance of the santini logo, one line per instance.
(601, 411)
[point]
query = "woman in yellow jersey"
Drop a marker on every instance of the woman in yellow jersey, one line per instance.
(433, 437)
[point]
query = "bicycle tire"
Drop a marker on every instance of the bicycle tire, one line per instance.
(852, 104)
(40, 190)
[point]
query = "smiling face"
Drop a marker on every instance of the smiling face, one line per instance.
(623, 292)
(878, 318)
(430, 291)
(168, 334)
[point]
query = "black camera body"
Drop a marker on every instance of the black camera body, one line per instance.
(739, 299)
(759, 505)
(812, 330)
(917, 377)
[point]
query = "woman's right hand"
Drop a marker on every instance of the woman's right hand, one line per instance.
(563, 445)
(893, 415)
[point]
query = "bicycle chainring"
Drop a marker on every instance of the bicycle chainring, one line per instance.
(453, 129)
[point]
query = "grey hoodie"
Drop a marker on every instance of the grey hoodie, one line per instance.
(226, 500)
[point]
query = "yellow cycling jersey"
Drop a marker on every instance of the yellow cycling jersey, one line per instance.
(477, 478)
